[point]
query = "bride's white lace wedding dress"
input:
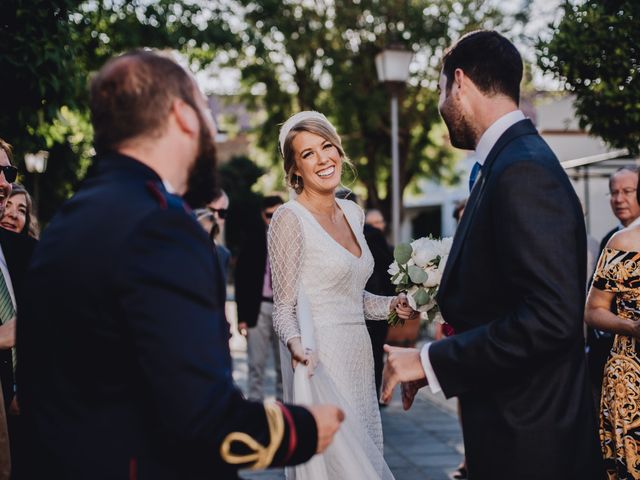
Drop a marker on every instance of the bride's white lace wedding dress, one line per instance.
(319, 295)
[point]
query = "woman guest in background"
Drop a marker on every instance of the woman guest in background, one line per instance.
(18, 215)
(617, 279)
(320, 264)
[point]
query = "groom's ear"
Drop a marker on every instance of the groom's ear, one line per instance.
(458, 80)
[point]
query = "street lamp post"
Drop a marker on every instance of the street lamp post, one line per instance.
(392, 65)
(36, 163)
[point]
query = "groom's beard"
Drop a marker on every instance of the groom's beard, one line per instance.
(461, 132)
(202, 183)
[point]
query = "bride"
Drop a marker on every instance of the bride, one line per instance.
(320, 263)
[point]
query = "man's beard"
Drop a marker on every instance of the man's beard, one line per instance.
(202, 184)
(461, 133)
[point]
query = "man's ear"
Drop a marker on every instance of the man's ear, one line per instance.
(458, 79)
(186, 117)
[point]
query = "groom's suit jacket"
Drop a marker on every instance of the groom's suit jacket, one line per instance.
(513, 289)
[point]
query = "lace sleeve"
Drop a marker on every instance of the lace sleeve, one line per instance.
(286, 248)
(376, 307)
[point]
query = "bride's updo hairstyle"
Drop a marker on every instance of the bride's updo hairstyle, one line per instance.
(312, 122)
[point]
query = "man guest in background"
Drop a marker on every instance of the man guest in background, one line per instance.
(379, 283)
(254, 298)
(219, 207)
(124, 365)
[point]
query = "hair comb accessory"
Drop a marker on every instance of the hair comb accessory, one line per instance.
(295, 120)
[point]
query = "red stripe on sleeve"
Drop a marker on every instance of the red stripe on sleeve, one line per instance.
(293, 437)
(133, 468)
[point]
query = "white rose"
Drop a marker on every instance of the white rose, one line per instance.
(435, 275)
(423, 251)
(444, 246)
(394, 268)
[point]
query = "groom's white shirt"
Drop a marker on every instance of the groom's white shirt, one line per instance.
(485, 144)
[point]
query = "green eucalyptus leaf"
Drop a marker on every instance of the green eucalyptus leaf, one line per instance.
(402, 253)
(421, 297)
(417, 274)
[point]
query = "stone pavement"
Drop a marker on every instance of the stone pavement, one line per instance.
(424, 443)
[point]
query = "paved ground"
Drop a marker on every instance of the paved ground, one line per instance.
(422, 444)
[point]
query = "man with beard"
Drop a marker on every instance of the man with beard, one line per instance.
(124, 367)
(513, 287)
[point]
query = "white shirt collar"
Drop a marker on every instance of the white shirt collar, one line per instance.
(168, 187)
(494, 132)
(635, 223)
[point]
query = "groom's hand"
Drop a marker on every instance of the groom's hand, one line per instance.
(328, 419)
(403, 365)
(409, 391)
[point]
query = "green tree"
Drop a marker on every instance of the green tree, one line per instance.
(595, 50)
(320, 55)
(48, 49)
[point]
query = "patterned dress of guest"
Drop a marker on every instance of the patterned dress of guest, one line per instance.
(619, 272)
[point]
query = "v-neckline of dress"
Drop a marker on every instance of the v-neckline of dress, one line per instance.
(315, 220)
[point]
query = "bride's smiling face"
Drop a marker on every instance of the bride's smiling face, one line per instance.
(318, 162)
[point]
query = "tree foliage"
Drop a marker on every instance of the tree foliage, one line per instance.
(320, 55)
(297, 54)
(595, 50)
(49, 49)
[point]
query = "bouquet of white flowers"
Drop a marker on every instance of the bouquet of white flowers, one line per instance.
(417, 271)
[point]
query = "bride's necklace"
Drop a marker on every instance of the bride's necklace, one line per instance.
(333, 216)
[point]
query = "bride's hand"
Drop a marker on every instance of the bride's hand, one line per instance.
(401, 305)
(298, 354)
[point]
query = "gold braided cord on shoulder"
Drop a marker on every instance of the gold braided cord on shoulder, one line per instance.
(260, 455)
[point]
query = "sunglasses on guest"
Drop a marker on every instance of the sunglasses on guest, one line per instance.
(222, 212)
(10, 173)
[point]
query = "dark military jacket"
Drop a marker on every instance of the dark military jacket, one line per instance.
(124, 369)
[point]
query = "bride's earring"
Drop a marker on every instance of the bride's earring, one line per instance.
(296, 185)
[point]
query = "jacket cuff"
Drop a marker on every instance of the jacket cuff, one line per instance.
(301, 436)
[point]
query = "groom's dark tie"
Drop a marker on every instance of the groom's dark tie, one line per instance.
(475, 171)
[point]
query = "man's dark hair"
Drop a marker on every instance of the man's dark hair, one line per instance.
(271, 201)
(132, 95)
(491, 62)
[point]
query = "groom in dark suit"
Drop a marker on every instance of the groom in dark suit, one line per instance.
(513, 287)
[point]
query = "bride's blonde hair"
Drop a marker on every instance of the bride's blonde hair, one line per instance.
(318, 126)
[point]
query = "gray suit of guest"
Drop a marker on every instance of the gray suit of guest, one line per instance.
(514, 291)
